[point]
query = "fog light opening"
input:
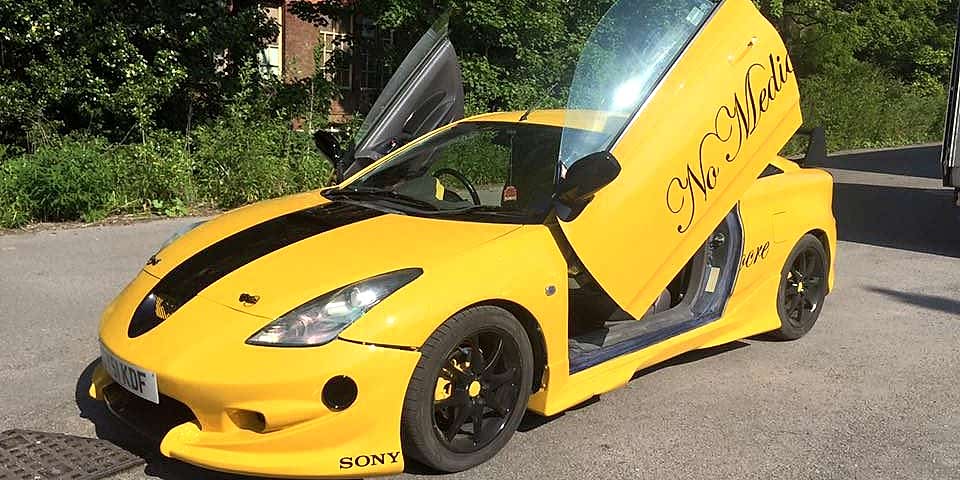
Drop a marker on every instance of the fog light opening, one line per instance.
(339, 393)
(248, 420)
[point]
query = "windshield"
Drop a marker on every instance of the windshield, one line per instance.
(475, 171)
(628, 53)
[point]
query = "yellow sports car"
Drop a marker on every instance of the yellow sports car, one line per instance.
(465, 271)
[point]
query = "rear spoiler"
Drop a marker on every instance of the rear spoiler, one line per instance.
(816, 150)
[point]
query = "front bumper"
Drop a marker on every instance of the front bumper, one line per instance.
(261, 412)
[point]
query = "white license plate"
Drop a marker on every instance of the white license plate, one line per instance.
(140, 382)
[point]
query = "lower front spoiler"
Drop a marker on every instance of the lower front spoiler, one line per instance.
(361, 441)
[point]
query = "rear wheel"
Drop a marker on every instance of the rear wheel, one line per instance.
(469, 391)
(803, 288)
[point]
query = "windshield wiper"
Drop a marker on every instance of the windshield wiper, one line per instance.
(381, 193)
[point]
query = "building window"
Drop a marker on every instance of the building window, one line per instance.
(271, 57)
(374, 62)
(375, 71)
(333, 39)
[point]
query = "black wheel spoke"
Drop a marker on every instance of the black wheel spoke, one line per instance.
(493, 401)
(493, 359)
(497, 380)
(458, 398)
(794, 304)
(809, 264)
(461, 416)
(476, 356)
(476, 418)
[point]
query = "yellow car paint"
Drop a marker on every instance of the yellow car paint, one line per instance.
(674, 189)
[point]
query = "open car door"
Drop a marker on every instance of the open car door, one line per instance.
(693, 98)
(949, 153)
(425, 93)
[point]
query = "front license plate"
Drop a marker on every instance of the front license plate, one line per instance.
(140, 382)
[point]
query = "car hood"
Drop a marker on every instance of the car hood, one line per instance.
(286, 252)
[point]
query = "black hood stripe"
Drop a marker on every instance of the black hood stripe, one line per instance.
(198, 272)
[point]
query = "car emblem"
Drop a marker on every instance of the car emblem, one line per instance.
(248, 300)
(153, 261)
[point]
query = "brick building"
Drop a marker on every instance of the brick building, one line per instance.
(301, 44)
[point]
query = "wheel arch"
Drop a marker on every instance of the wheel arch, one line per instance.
(824, 240)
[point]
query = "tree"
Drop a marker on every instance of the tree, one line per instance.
(511, 51)
(909, 39)
(110, 67)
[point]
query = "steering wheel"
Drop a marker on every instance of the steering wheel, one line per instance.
(462, 179)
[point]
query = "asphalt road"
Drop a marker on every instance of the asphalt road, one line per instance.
(872, 392)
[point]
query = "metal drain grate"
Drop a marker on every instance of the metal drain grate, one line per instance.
(27, 455)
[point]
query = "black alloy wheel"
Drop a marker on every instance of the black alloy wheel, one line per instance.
(478, 385)
(469, 391)
(803, 288)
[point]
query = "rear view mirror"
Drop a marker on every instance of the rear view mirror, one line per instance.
(583, 180)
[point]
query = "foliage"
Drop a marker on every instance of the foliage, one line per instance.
(910, 39)
(110, 67)
(479, 157)
(225, 164)
(157, 105)
(241, 161)
(514, 53)
(865, 107)
(872, 72)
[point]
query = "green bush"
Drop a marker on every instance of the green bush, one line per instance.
(155, 174)
(243, 162)
(864, 107)
(69, 179)
(14, 209)
(228, 163)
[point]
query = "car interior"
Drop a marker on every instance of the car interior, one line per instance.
(600, 330)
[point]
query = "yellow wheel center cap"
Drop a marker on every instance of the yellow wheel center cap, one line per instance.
(474, 389)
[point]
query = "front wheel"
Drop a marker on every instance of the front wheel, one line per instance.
(803, 288)
(469, 391)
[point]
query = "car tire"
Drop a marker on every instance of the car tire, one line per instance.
(464, 370)
(803, 288)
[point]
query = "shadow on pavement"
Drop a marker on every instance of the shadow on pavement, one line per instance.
(921, 220)
(905, 215)
(691, 357)
(532, 421)
(921, 161)
(930, 302)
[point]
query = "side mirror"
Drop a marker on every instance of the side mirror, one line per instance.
(328, 144)
(584, 179)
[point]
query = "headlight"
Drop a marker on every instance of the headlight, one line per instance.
(323, 318)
